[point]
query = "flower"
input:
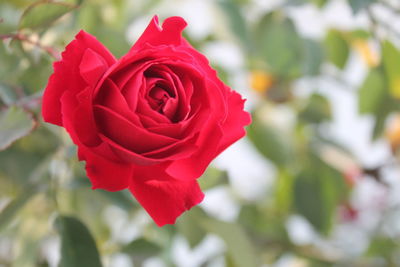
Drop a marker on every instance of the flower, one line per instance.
(151, 121)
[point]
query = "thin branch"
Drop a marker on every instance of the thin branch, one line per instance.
(23, 38)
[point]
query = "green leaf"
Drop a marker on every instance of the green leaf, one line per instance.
(7, 94)
(358, 5)
(318, 3)
(188, 226)
(372, 93)
(8, 19)
(12, 208)
(78, 247)
(123, 199)
(142, 248)
(313, 57)
(269, 142)
(317, 110)
(284, 191)
(14, 124)
(42, 13)
(318, 190)
(382, 247)
(213, 177)
(337, 49)
(360, 34)
(237, 22)
(264, 221)
(391, 63)
(107, 37)
(240, 249)
(280, 45)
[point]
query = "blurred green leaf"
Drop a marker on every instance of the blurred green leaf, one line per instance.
(284, 191)
(358, 5)
(337, 49)
(123, 199)
(14, 124)
(213, 177)
(317, 110)
(265, 222)
(381, 114)
(7, 94)
(13, 207)
(107, 36)
(8, 19)
(238, 24)
(318, 3)
(372, 92)
(318, 190)
(42, 13)
(239, 247)
(391, 63)
(309, 201)
(280, 45)
(382, 247)
(188, 226)
(78, 247)
(10, 64)
(89, 17)
(34, 79)
(360, 34)
(141, 249)
(269, 142)
(20, 161)
(313, 57)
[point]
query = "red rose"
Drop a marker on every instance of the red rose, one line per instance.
(151, 121)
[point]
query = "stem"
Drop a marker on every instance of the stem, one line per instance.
(23, 38)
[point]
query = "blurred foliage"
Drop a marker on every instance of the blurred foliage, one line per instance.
(45, 198)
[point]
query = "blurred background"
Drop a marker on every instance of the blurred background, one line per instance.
(316, 182)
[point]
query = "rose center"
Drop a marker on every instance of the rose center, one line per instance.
(162, 100)
(157, 98)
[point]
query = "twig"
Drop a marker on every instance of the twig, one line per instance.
(23, 38)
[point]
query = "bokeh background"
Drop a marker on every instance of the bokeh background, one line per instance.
(316, 182)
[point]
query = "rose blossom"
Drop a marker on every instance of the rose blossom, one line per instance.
(151, 121)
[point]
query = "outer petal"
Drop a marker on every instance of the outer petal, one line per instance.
(164, 198)
(169, 34)
(233, 127)
(105, 174)
(67, 77)
(195, 165)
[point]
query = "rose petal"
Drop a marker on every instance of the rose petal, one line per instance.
(128, 156)
(69, 107)
(125, 133)
(92, 67)
(110, 96)
(163, 197)
(105, 174)
(66, 74)
(233, 127)
(194, 166)
(169, 34)
(83, 120)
